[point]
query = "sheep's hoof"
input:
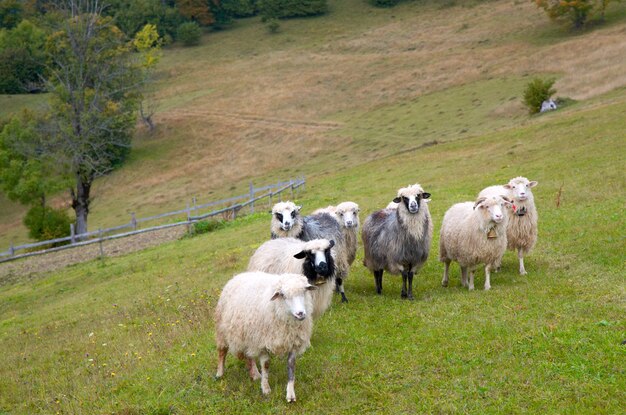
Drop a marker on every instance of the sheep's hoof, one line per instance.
(344, 299)
(523, 272)
(217, 377)
(291, 399)
(403, 295)
(410, 298)
(487, 287)
(444, 283)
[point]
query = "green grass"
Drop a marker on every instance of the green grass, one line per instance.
(134, 335)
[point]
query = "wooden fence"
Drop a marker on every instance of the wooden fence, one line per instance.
(190, 213)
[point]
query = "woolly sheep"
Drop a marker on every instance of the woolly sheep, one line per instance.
(548, 105)
(259, 314)
(398, 240)
(313, 259)
(347, 215)
(287, 222)
(522, 227)
(471, 234)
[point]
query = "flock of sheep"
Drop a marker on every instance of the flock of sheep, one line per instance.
(291, 278)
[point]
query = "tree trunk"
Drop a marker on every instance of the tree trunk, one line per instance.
(80, 203)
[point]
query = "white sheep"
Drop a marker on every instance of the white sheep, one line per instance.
(313, 259)
(398, 240)
(523, 217)
(259, 314)
(472, 234)
(286, 220)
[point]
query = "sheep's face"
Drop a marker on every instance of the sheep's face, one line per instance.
(285, 214)
(520, 188)
(493, 208)
(317, 262)
(348, 214)
(293, 292)
(412, 201)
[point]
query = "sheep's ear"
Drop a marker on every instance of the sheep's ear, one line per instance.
(298, 208)
(425, 195)
(270, 212)
(311, 287)
(507, 202)
(479, 201)
(507, 186)
(276, 295)
(331, 243)
(397, 199)
(533, 183)
(300, 255)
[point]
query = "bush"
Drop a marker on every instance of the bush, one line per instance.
(206, 226)
(272, 25)
(537, 91)
(384, 3)
(189, 33)
(44, 223)
(282, 9)
(240, 8)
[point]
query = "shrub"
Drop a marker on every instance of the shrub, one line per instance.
(206, 226)
(384, 3)
(240, 8)
(44, 223)
(189, 33)
(273, 26)
(282, 9)
(537, 91)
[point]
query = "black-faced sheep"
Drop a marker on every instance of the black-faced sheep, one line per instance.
(398, 240)
(259, 314)
(313, 259)
(471, 234)
(522, 226)
(287, 222)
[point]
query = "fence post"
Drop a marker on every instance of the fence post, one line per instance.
(133, 221)
(11, 250)
(194, 203)
(251, 197)
(72, 234)
(100, 243)
(291, 182)
(188, 219)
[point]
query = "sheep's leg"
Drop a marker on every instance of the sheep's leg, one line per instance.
(520, 255)
(446, 273)
(221, 358)
(487, 277)
(264, 360)
(378, 276)
(405, 277)
(464, 276)
(291, 377)
(252, 369)
(471, 280)
(410, 278)
(339, 285)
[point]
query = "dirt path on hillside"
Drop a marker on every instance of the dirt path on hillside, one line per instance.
(34, 267)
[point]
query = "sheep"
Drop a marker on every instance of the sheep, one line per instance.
(347, 215)
(522, 227)
(313, 259)
(548, 105)
(398, 240)
(473, 233)
(259, 314)
(287, 222)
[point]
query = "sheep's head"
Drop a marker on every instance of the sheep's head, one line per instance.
(493, 208)
(348, 214)
(285, 213)
(319, 264)
(520, 188)
(292, 289)
(411, 197)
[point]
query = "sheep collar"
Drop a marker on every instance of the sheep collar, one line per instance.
(519, 211)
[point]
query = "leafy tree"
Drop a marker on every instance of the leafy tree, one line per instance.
(11, 13)
(282, 9)
(131, 17)
(22, 59)
(44, 222)
(384, 3)
(240, 8)
(575, 11)
(196, 10)
(148, 44)
(95, 87)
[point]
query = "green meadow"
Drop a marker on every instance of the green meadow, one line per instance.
(135, 335)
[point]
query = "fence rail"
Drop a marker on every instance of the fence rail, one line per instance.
(101, 235)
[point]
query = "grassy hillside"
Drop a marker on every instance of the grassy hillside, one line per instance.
(134, 335)
(355, 85)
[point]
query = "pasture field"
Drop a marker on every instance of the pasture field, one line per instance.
(361, 101)
(134, 335)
